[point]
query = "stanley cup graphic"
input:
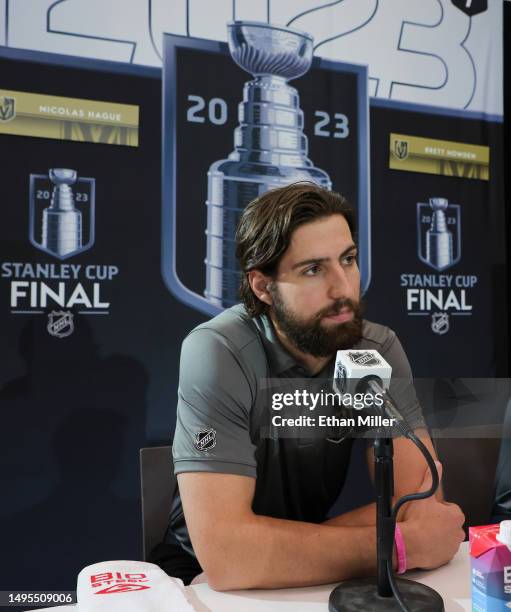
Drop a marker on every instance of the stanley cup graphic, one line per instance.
(439, 247)
(62, 223)
(270, 148)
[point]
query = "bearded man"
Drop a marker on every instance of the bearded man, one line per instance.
(252, 510)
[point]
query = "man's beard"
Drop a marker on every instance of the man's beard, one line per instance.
(310, 336)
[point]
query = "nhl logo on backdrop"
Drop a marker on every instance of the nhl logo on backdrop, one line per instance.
(60, 323)
(7, 109)
(440, 322)
(205, 439)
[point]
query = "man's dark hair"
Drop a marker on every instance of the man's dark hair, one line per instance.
(268, 222)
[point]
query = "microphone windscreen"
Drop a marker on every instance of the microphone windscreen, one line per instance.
(353, 366)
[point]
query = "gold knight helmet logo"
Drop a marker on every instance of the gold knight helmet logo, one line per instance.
(401, 149)
(7, 108)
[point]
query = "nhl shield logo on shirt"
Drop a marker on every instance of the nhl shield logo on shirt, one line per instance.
(205, 439)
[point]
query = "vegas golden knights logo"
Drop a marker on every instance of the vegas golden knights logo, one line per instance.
(401, 149)
(7, 109)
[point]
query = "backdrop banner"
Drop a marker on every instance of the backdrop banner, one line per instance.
(130, 148)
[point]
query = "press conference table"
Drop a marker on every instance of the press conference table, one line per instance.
(451, 581)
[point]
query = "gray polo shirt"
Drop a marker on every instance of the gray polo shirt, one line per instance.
(223, 365)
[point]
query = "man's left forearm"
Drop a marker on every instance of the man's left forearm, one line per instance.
(408, 468)
(365, 516)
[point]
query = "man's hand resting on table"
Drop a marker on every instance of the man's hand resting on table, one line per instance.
(432, 529)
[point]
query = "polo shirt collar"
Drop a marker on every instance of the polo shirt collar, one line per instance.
(279, 359)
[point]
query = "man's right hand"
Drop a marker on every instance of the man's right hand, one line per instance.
(432, 529)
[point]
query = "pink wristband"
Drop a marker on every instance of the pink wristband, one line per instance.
(400, 550)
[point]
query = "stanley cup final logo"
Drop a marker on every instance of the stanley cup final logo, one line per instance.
(439, 233)
(270, 148)
(62, 212)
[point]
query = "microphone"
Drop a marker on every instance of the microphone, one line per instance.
(355, 369)
(366, 371)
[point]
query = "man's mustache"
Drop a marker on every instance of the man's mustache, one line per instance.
(337, 307)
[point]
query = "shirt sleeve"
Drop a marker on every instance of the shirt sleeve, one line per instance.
(401, 387)
(213, 411)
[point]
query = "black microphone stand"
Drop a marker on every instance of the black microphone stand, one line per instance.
(377, 593)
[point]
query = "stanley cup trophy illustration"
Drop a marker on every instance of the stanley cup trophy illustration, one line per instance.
(270, 148)
(439, 245)
(62, 222)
